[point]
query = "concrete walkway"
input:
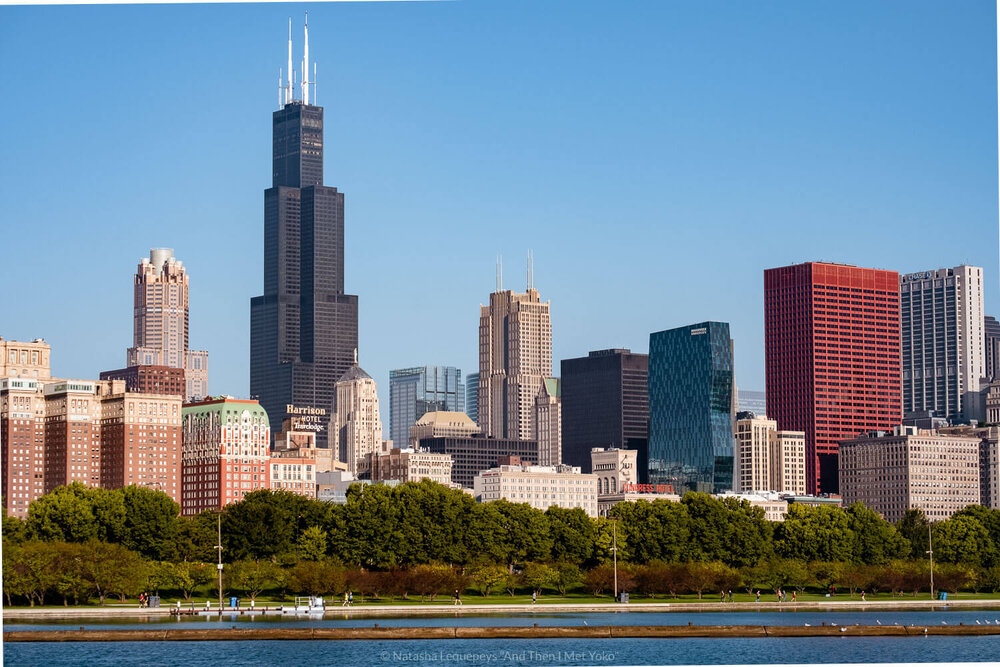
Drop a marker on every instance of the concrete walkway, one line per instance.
(374, 610)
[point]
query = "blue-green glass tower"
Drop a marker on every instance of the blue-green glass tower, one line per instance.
(691, 408)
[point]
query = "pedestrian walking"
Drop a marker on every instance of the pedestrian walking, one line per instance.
(458, 598)
(730, 596)
(793, 596)
(350, 598)
(862, 596)
(346, 599)
(534, 597)
(758, 595)
(722, 596)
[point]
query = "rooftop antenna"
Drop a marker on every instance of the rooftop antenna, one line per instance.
(499, 273)
(315, 88)
(288, 90)
(305, 63)
(280, 77)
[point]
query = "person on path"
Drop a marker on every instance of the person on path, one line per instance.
(730, 596)
(758, 595)
(722, 596)
(346, 599)
(208, 604)
(793, 596)
(862, 596)
(458, 598)
(534, 597)
(350, 598)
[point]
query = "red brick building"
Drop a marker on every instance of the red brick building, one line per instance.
(22, 443)
(150, 379)
(832, 357)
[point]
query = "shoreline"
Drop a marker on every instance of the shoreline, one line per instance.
(421, 633)
(336, 611)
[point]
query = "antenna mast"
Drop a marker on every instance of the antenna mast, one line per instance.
(305, 63)
(288, 90)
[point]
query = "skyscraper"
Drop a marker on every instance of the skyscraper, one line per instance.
(832, 357)
(991, 331)
(548, 422)
(160, 321)
(605, 404)
(515, 357)
(943, 342)
(691, 408)
(472, 396)
(413, 392)
(355, 425)
(304, 328)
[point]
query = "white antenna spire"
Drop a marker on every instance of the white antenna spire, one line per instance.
(288, 90)
(315, 88)
(280, 75)
(305, 64)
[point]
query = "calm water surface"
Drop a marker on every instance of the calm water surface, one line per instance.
(511, 652)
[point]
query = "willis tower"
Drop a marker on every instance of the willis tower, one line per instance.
(304, 328)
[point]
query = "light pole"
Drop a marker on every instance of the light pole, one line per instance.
(219, 547)
(930, 552)
(614, 551)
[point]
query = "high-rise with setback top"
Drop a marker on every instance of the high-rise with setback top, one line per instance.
(304, 328)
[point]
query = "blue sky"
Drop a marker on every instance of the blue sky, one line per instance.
(655, 156)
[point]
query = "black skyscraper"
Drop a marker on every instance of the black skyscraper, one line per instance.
(605, 403)
(303, 329)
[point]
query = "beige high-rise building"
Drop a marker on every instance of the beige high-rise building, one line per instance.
(160, 321)
(442, 424)
(515, 358)
(767, 459)
(911, 468)
(24, 360)
(548, 422)
(355, 425)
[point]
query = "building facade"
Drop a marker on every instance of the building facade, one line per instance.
(442, 425)
(615, 469)
(943, 342)
(471, 455)
(413, 392)
(141, 441)
(22, 442)
(832, 357)
(355, 425)
(304, 327)
(25, 360)
(226, 453)
(768, 460)
(691, 407)
(472, 396)
(515, 357)
(991, 335)
(408, 465)
(541, 487)
(605, 405)
(160, 321)
(150, 379)
(548, 422)
(751, 401)
(72, 434)
(910, 469)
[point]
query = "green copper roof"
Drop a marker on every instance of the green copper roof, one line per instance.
(553, 387)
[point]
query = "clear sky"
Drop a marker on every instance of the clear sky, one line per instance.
(655, 156)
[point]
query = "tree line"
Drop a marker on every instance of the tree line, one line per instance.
(424, 538)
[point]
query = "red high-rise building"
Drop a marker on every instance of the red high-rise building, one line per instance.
(832, 357)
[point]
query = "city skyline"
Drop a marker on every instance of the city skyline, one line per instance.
(363, 84)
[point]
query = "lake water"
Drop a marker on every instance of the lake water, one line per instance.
(503, 652)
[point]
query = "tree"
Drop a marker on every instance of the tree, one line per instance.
(788, 573)
(874, 540)
(15, 530)
(252, 576)
(108, 508)
(487, 576)
(961, 539)
(599, 579)
(702, 577)
(523, 533)
(431, 580)
(990, 520)
(112, 570)
(196, 538)
(317, 578)
(68, 570)
(568, 575)
(572, 533)
(28, 571)
(188, 576)
(538, 576)
(63, 514)
(913, 528)
(814, 533)
(312, 543)
(150, 524)
(262, 525)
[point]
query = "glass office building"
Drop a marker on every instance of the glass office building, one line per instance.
(413, 392)
(691, 408)
(472, 396)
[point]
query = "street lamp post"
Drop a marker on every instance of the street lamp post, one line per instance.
(930, 552)
(614, 550)
(219, 547)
